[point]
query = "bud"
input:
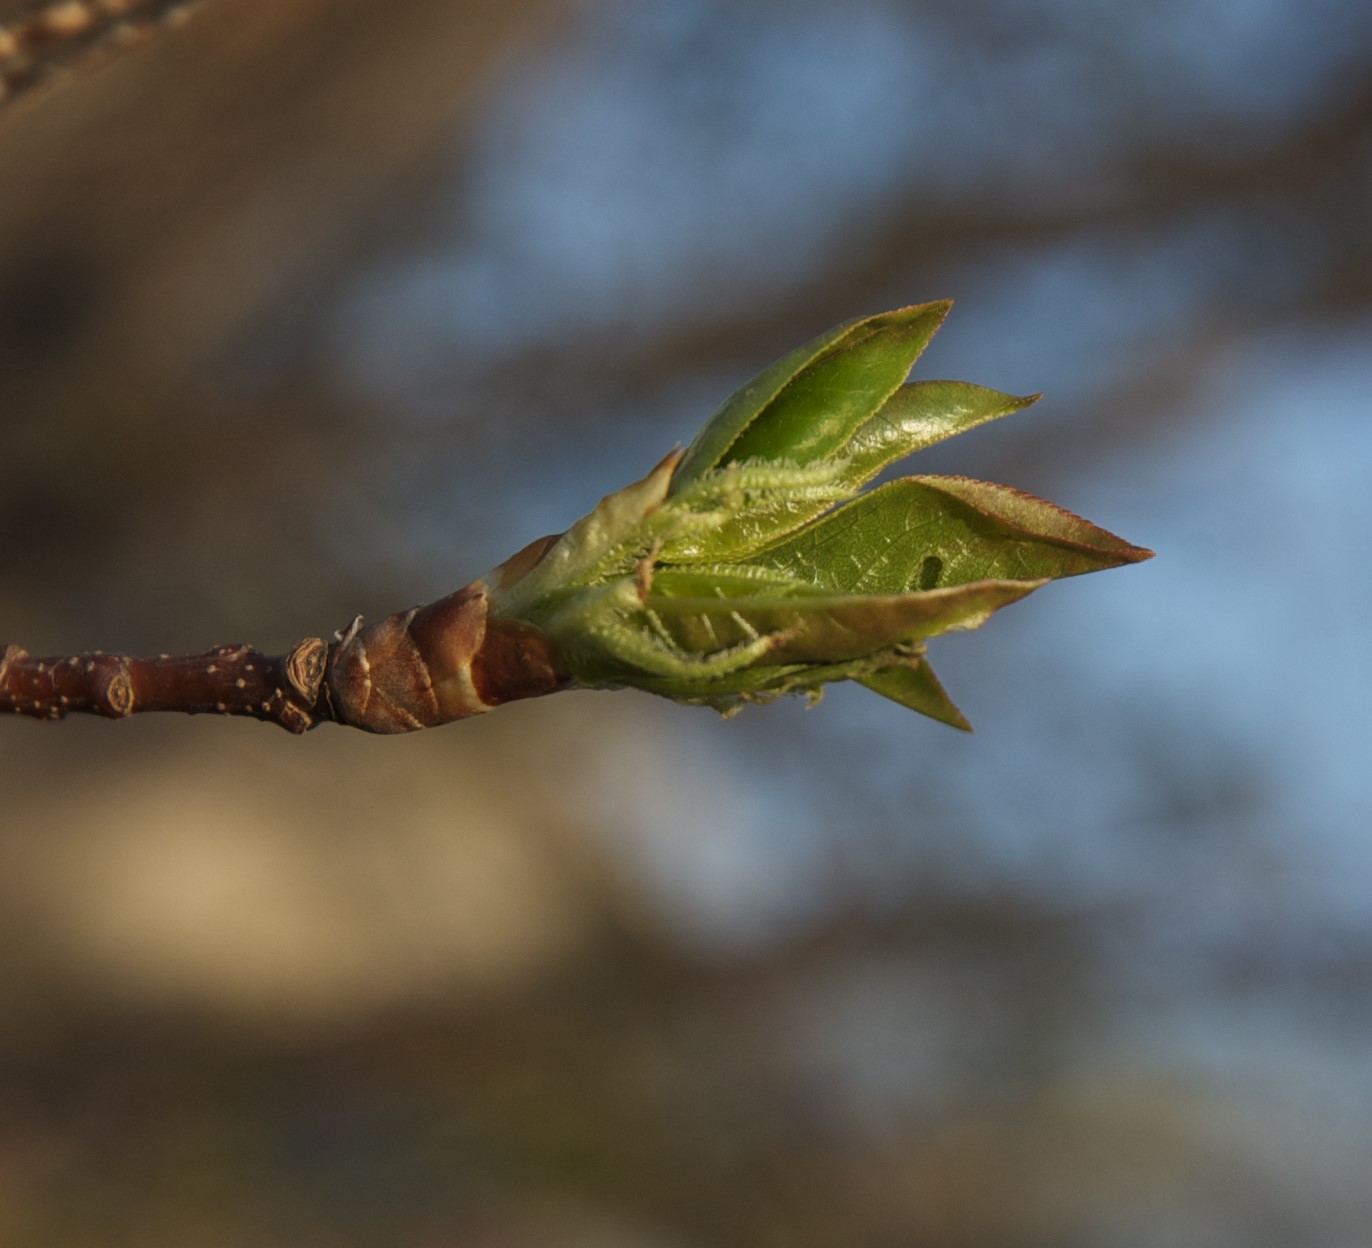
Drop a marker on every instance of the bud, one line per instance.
(752, 565)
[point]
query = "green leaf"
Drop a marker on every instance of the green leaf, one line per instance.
(763, 683)
(915, 416)
(611, 532)
(1027, 514)
(917, 688)
(920, 414)
(828, 629)
(924, 532)
(807, 404)
(726, 581)
(753, 527)
(823, 405)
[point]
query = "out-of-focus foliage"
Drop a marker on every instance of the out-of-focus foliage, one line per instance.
(314, 308)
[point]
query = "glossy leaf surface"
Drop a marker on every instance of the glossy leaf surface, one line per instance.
(824, 404)
(919, 415)
(809, 402)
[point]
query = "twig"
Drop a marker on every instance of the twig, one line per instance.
(415, 669)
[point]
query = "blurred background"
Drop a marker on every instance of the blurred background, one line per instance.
(315, 308)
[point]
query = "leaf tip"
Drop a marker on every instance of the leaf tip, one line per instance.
(937, 308)
(668, 463)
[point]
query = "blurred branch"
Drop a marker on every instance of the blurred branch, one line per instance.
(42, 42)
(169, 206)
(136, 238)
(1316, 170)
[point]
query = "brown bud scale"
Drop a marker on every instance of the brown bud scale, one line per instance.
(435, 664)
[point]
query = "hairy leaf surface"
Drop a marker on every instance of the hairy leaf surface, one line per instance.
(926, 532)
(826, 628)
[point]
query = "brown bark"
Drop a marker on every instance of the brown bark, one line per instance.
(415, 669)
(229, 680)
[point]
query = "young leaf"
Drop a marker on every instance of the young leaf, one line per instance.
(915, 416)
(613, 525)
(750, 528)
(809, 402)
(923, 532)
(726, 581)
(823, 405)
(726, 693)
(920, 414)
(917, 688)
(828, 629)
(1036, 517)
